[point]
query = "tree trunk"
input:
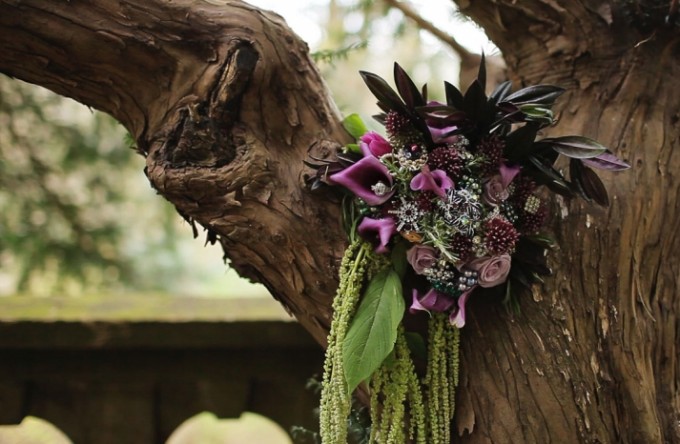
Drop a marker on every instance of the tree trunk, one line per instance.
(594, 358)
(225, 103)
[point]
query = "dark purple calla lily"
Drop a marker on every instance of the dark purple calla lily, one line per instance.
(373, 144)
(380, 230)
(436, 181)
(430, 301)
(457, 317)
(443, 135)
(368, 178)
(508, 173)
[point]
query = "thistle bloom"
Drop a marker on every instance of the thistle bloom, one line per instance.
(457, 317)
(380, 230)
(373, 144)
(430, 301)
(436, 181)
(368, 178)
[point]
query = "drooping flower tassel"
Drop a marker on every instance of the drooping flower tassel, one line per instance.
(335, 397)
(441, 378)
(396, 400)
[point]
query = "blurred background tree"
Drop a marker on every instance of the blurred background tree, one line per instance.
(78, 217)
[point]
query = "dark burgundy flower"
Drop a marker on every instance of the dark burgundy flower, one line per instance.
(461, 246)
(491, 148)
(501, 236)
(448, 159)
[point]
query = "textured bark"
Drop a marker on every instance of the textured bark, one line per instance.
(594, 357)
(225, 103)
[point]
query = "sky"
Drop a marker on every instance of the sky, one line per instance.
(304, 17)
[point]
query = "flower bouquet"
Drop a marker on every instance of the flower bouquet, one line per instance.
(451, 200)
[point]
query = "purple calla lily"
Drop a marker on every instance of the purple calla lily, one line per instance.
(381, 230)
(430, 301)
(508, 173)
(457, 317)
(439, 135)
(373, 144)
(436, 181)
(368, 178)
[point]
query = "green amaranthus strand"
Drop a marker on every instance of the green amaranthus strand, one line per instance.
(358, 265)
(441, 378)
(396, 399)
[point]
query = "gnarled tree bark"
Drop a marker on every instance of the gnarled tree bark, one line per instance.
(225, 103)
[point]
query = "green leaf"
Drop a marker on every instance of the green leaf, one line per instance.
(353, 148)
(373, 331)
(354, 125)
(399, 261)
(537, 113)
(416, 344)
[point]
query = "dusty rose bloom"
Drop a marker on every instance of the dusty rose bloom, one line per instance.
(421, 257)
(494, 191)
(491, 271)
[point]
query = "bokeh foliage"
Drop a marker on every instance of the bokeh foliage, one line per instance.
(70, 198)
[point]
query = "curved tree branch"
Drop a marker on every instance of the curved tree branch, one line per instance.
(410, 13)
(225, 103)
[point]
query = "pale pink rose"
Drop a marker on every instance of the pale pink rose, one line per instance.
(494, 191)
(421, 257)
(491, 271)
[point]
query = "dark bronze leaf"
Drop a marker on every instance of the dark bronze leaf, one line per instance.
(576, 147)
(501, 91)
(520, 143)
(481, 75)
(407, 89)
(538, 94)
(593, 187)
(607, 161)
(474, 101)
(383, 92)
(454, 97)
(548, 176)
